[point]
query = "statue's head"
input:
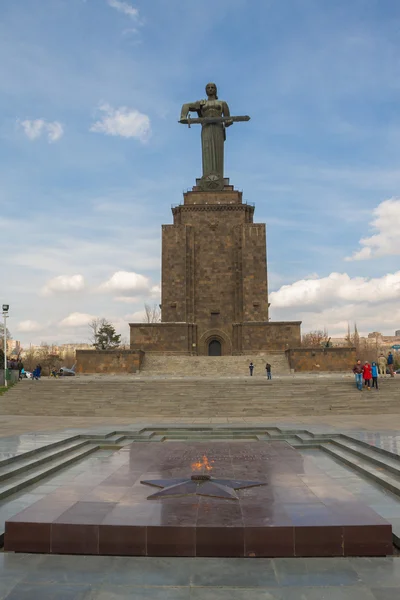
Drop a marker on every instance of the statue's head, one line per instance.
(211, 90)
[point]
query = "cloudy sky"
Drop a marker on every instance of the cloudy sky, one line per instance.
(92, 157)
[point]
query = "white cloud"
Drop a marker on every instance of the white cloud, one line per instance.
(156, 291)
(127, 299)
(35, 128)
(126, 281)
(76, 319)
(337, 288)
(28, 326)
(386, 240)
(54, 131)
(137, 317)
(64, 283)
(124, 7)
(123, 121)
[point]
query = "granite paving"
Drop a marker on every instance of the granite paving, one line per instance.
(37, 577)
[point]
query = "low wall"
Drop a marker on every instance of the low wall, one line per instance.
(108, 361)
(322, 359)
(13, 376)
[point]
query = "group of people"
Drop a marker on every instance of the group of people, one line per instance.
(16, 364)
(369, 373)
(267, 370)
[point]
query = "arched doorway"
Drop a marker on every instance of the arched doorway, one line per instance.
(214, 348)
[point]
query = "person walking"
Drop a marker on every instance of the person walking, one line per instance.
(382, 365)
(390, 364)
(251, 368)
(367, 374)
(374, 371)
(358, 372)
(268, 370)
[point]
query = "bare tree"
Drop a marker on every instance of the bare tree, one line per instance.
(125, 343)
(94, 326)
(315, 339)
(152, 313)
(9, 336)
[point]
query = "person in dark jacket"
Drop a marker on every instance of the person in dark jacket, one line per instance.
(358, 372)
(251, 368)
(268, 371)
(20, 366)
(390, 364)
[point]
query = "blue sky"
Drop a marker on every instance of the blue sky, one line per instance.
(92, 156)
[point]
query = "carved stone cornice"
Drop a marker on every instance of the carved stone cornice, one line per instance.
(212, 207)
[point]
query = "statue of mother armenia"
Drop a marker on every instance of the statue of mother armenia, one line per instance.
(214, 117)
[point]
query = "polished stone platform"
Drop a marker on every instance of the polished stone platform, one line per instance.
(300, 511)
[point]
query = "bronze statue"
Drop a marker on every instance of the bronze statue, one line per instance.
(214, 117)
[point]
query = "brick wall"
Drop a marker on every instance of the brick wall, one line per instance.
(254, 272)
(271, 335)
(163, 337)
(108, 361)
(322, 359)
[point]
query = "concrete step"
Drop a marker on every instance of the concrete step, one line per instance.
(35, 472)
(389, 463)
(365, 466)
(24, 463)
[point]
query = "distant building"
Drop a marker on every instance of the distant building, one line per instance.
(374, 340)
(397, 333)
(13, 347)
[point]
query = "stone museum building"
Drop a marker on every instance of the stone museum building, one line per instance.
(214, 298)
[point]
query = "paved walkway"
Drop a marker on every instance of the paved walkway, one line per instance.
(35, 577)
(44, 577)
(17, 425)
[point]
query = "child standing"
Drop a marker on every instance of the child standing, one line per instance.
(367, 375)
(374, 371)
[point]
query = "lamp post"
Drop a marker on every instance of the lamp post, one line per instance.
(5, 315)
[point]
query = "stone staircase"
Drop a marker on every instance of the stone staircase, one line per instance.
(190, 397)
(214, 366)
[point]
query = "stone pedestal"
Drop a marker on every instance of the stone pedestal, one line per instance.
(214, 281)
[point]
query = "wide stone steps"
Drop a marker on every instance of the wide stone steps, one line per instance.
(162, 364)
(197, 398)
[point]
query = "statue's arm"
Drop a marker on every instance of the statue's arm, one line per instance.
(191, 107)
(226, 113)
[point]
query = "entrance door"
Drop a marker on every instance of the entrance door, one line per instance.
(214, 348)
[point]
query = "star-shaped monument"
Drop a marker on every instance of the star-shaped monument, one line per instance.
(200, 485)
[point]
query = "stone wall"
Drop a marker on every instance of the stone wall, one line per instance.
(108, 361)
(264, 336)
(322, 359)
(177, 338)
(155, 363)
